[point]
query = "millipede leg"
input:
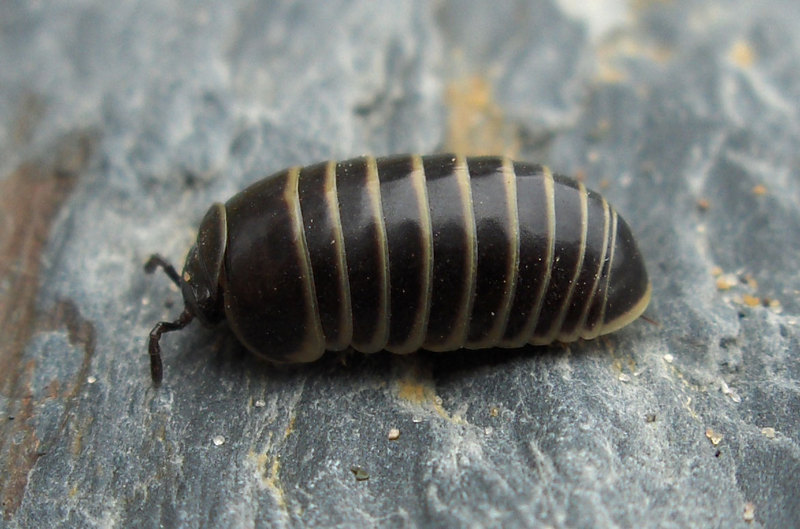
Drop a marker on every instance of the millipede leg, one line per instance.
(156, 368)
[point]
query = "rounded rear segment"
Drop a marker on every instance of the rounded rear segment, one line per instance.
(628, 292)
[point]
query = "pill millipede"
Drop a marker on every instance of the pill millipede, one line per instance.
(408, 252)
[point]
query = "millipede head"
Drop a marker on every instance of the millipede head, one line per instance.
(199, 284)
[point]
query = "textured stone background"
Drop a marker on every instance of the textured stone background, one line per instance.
(120, 125)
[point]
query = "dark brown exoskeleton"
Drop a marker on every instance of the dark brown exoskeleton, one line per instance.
(409, 252)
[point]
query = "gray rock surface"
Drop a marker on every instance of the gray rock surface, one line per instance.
(120, 125)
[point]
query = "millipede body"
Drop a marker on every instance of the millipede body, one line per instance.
(409, 252)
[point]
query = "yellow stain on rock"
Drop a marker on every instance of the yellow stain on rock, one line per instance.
(268, 470)
(614, 53)
(476, 125)
(742, 54)
(413, 391)
(273, 481)
(418, 390)
(290, 426)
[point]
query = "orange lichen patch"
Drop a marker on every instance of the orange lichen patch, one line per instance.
(290, 427)
(742, 54)
(751, 301)
(740, 279)
(273, 480)
(726, 282)
(476, 125)
(417, 388)
(268, 471)
(759, 190)
(413, 391)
